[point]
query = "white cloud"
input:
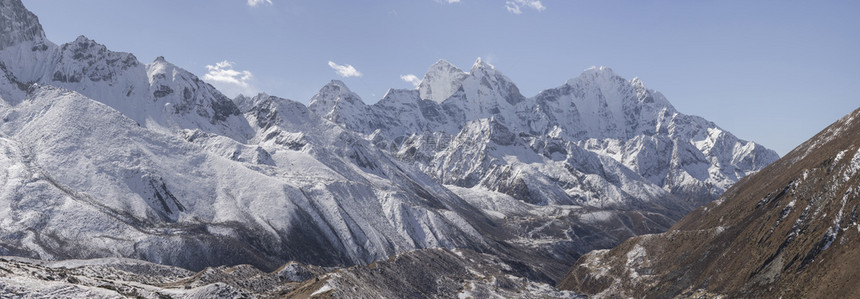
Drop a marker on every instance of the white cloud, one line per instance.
(229, 81)
(344, 70)
(253, 3)
(516, 6)
(513, 6)
(411, 79)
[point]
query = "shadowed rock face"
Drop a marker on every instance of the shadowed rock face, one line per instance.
(18, 24)
(789, 231)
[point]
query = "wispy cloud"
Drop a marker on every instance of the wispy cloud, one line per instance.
(253, 3)
(516, 6)
(345, 70)
(513, 6)
(411, 79)
(228, 80)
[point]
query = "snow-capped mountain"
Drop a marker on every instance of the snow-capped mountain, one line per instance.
(165, 168)
(158, 95)
(207, 199)
(441, 82)
(105, 156)
(789, 231)
(598, 111)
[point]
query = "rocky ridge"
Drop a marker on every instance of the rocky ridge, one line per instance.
(790, 230)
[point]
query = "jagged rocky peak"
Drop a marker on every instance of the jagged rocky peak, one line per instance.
(607, 81)
(85, 58)
(600, 76)
(266, 111)
(599, 71)
(604, 105)
(165, 77)
(248, 103)
(598, 79)
(480, 64)
(484, 92)
(162, 77)
(22, 43)
(487, 86)
(334, 96)
(400, 97)
(184, 94)
(17, 24)
(245, 103)
(337, 91)
(441, 81)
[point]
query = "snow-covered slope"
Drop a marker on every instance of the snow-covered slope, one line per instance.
(105, 156)
(157, 197)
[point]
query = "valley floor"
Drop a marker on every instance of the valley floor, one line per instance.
(415, 274)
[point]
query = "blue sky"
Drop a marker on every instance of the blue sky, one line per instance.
(775, 72)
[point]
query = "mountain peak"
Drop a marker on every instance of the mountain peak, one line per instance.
(599, 71)
(481, 64)
(246, 103)
(338, 90)
(82, 39)
(18, 24)
(442, 64)
(337, 84)
(594, 72)
(332, 96)
(441, 81)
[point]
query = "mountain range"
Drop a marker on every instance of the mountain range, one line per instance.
(106, 156)
(789, 231)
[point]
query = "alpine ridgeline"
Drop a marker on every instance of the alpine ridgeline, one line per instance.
(789, 231)
(105, 156)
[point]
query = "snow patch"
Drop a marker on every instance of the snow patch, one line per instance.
(635, 259)
(325, 288)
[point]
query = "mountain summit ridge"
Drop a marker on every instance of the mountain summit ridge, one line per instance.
(166, 168)
(597, 110)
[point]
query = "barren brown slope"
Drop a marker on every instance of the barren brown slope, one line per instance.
(788, 231)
